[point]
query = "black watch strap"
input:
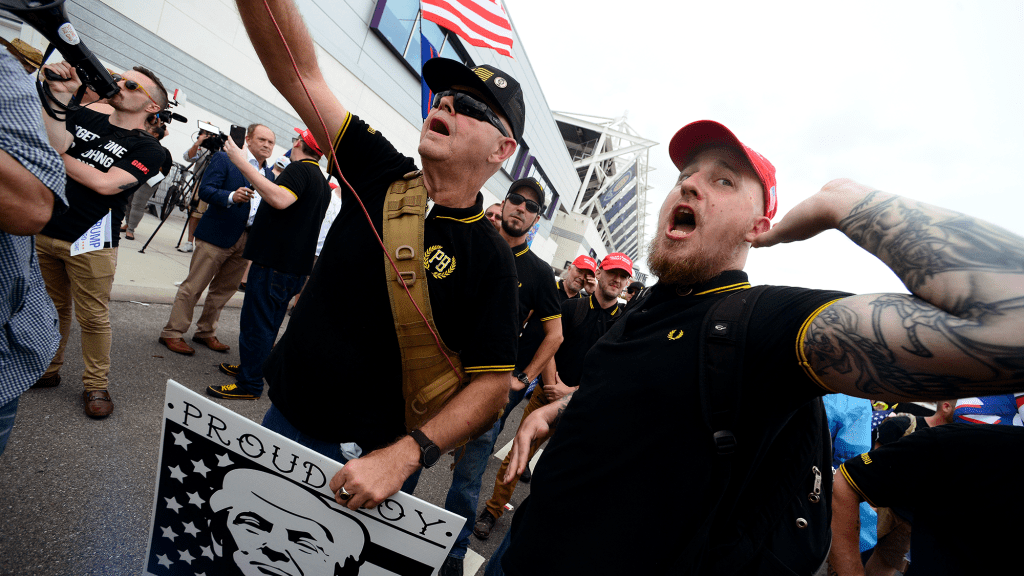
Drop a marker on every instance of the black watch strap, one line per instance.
(522, 377)
(429, 452)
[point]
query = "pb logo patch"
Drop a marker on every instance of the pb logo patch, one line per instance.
(865, 458)
(675, 335)
(438, 263)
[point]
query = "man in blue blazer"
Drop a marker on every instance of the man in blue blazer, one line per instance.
(217, 261)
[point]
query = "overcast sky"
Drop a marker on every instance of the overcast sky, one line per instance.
(922, 99)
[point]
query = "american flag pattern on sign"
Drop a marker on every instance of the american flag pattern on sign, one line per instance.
(482, 23)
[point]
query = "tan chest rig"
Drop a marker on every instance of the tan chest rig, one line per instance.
(428, 382)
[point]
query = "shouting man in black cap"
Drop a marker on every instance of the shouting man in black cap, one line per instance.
(337, 375)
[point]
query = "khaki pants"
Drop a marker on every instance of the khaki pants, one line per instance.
(503, 492)
(219, 268)
(82, 282)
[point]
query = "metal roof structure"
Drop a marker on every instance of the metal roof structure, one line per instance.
(612, 162)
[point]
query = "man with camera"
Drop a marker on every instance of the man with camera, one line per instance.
(106, 159)
(282, 247)
(218, 261)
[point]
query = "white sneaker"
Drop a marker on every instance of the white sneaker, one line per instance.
(186, 247)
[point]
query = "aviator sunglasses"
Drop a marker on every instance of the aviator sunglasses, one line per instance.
(132, 85)
(468, 105)
(517, 199)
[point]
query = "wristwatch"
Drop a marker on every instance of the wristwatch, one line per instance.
(522, 377)
(429, 452)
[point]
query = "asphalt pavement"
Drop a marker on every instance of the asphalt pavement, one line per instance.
(76, 494)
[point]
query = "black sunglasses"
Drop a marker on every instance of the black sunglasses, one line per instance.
(517, 199)
(467, 105)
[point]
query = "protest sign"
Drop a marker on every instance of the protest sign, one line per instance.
(235, 498)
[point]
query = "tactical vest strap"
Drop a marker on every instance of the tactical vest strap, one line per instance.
(427, 378)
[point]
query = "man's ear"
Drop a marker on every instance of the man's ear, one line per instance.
(761, 225)
(503, 151)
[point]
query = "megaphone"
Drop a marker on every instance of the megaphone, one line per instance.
(51, 20)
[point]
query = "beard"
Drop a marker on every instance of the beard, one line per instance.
(698, 268)
(507, 227)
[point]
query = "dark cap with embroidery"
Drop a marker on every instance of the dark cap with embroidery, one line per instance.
(501, 89)
(532, 184)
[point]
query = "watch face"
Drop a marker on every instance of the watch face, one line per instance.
(431, 454)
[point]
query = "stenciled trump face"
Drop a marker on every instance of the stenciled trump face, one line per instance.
(275, 529)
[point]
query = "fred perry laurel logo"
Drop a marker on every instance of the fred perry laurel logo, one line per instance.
(675, 335)
(500, 82)
(865, 458)
(438, 263)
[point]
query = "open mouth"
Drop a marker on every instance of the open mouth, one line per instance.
(438, 125)
(683, 221)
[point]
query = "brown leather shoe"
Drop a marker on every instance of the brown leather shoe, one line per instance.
(212, 343)
(177, 345)
(47, 381)
(97, 403)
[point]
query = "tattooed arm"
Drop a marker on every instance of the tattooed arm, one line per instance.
(535, 428)
(958, 335)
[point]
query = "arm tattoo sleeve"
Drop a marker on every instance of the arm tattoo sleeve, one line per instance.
(939, 348)
(918, 243)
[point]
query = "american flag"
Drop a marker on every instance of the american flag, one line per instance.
(878, 415)
(482, 23)
(191, 470)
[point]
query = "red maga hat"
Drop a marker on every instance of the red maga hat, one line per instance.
(585, 263)
(617, 261)
(696, 134)
(307, 137)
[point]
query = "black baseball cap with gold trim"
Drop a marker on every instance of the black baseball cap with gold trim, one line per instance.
(503, 90)
(529, 183)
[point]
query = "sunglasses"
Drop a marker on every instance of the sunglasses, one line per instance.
(132, 86)
(517, 199)
(468, 105)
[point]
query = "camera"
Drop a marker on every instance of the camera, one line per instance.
(51, 20)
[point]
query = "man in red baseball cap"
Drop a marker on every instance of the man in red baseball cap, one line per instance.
(579, 276)
(642, 398)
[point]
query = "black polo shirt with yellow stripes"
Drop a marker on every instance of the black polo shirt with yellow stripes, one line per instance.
(285, 239)
(635, 425)
(336, 372)
(578, 339)
(538, 302)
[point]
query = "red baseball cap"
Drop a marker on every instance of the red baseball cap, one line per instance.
(697, 134)
(585, 263)
(307, 137)
(617, 261)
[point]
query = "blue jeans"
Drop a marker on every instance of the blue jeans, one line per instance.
(267, 293)
(274, 420)
(464, 493)
(7, 413)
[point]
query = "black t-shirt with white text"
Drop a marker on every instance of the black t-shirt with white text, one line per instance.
(336, 373)
(103, 146)
(285, 240)
(639, 407)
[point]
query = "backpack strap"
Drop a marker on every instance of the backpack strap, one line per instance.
(427, 378)
(723, 338)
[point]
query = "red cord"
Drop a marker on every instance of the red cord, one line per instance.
(337, 168)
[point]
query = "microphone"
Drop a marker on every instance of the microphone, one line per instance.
(51, 20)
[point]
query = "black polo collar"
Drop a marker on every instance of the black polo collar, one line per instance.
(461, 215)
